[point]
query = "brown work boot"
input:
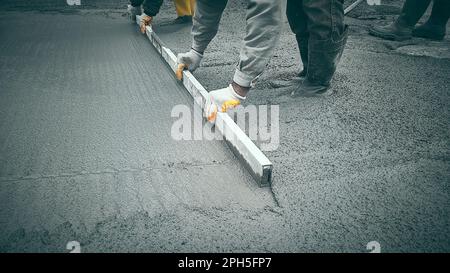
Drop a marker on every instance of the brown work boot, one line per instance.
(396, 31)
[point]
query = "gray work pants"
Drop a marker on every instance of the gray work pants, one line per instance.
(263, 26)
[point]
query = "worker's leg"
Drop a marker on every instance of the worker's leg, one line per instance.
(206, 22)
(401, 29)
(412, 11)
(440, 13)
(263, 21)
(298, 22)
(263, 27)
(325, 19)
(327, 39)
(435, 27)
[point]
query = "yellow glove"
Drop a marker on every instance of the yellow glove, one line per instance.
(221, 100)
(189, 60)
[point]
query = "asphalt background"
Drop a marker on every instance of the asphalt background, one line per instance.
(86, 154)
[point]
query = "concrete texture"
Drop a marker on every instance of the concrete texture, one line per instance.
(85, 133)
(85, 153)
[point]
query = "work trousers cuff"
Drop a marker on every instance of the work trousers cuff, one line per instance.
(243, 79)
(199, 47)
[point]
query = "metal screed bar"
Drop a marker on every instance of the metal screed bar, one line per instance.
(352, 6)
(248, 153)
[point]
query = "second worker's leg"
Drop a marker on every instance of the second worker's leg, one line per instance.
(327, 39)
(206, 22)
(263, 27)
(435, 27)
(298, 22)
(263, 22)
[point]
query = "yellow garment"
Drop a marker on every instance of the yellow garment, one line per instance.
(185, 7)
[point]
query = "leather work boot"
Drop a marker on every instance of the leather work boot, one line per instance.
(401, 29)
(398, 30)
(323, 58)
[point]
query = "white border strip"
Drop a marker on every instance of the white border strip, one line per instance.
(256, 162)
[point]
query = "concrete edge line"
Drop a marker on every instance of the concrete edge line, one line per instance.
(242, 146)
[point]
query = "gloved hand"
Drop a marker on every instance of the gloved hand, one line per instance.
(133, 11)
(145, 21)
(190, 59)
(221, 100)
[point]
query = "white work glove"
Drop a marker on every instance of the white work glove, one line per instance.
(221, 100)
(145, 21)
(191, 60)
(134, 11)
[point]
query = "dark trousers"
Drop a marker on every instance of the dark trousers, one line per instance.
(136, 3)
(321, 35)
(316, 19)
(413, 10)
(151, 7)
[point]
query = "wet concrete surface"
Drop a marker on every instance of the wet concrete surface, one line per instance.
(85, 151)
(86, 136)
